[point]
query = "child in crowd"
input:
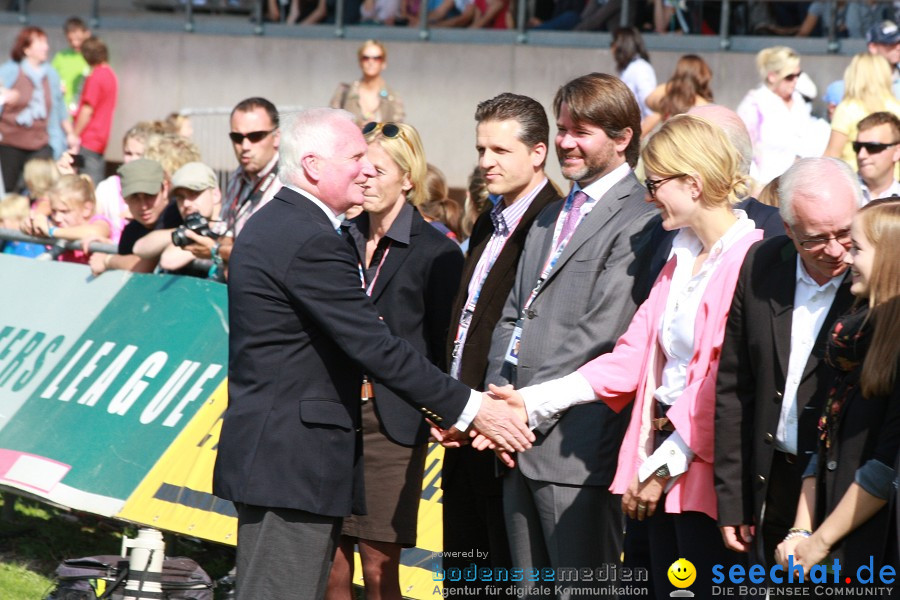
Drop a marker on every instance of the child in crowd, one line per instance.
(72, 216)
(40, 174)
(14, 210)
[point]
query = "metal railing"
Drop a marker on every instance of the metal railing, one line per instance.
(214, 23)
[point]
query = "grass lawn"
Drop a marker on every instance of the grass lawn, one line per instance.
(37, 537)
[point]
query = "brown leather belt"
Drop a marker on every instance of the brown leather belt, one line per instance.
(661, 424)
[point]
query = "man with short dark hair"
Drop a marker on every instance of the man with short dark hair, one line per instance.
(302, 333)
(772, 380)
(70, 64)
(877, 149)
(93, 119)
(511, 137)
(573, 297)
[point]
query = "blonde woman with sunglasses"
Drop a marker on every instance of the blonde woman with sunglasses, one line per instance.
(369, 98)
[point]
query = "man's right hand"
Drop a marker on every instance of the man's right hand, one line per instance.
(503, 425)
(738, 537)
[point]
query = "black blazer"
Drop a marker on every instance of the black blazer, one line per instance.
(302, 331)
(751, 379)
(466, 467)
(413, 292)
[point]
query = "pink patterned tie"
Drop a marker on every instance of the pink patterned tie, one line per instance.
(572, 218)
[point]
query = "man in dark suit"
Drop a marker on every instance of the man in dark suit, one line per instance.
(512, 134)
(302, 331)
(573, 297)
(772, 380)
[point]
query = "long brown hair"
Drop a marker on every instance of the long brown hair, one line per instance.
(691, 79)
(880, 221)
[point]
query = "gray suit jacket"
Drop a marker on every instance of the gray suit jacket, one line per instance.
(586, 303)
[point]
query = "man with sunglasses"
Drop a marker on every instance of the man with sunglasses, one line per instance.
(772, 380)
(877, 149)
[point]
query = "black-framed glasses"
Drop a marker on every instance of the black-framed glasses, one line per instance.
(872, 147)
(388, 130)
(813, 244)
(254, 136)
(792, 76)
(366, 57)
(653, 184)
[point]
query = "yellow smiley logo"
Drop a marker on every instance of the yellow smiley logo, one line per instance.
(682, 573)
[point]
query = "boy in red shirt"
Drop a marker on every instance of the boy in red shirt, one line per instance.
(93, 119)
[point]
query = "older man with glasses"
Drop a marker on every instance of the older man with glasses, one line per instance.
(772, 380)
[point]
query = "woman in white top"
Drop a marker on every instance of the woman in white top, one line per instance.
(633, 64)
(775, 113)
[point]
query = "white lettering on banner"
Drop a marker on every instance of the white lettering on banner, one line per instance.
(192, 395)
(99, 387)
(17, 362)
(159, 403)
(50, 390)
(135, 385)
(86, 371)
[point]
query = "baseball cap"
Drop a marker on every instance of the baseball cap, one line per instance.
(141, 176)
(885, 32)
(194, 176)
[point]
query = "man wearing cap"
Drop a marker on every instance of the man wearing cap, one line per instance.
(195, 190)
(884, 40)
(146, 192)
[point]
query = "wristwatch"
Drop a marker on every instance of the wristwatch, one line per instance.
(663, 472)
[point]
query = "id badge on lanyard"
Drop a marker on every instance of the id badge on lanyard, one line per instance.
(512, 351)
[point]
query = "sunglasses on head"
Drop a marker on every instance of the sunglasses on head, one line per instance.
(872, 147)
(375, 58)
(253, 136)
(792, 76)
(388, 130)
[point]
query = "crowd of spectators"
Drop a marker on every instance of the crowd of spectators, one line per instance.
(716, 177)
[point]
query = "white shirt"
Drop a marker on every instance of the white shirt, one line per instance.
(811, 305)
(474, 403)
(640, 78)
(893, 190)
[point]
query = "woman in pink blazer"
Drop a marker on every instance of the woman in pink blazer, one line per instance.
(666, 361)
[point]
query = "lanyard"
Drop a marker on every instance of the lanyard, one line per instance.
(362, 274)
(558, 246)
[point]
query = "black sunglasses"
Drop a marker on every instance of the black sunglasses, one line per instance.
(653, 184)
(375, 58)
(792, 76)
(872, 147)
(254, 136)
(388, 130)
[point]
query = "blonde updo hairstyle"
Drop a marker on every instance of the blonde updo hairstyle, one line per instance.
(779, 60)
(694, 146)
(406, 150)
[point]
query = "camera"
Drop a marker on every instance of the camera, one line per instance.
(196, 223)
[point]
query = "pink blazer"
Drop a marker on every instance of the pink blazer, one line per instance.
(617, 380)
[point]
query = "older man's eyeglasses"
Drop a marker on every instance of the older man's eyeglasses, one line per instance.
(254, 136)
(653, 185)
(813, 244)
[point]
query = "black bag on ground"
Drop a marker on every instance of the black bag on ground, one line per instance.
(105, 577)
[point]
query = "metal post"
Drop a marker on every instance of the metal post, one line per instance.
(23, 11)
(521, 10)
(258, 18)
(833, 44)
(424, 34)
(189, 15)
(624, 20)
(339, 19)
(724, 25)
(95, 14)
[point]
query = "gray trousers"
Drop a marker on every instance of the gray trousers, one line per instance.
(284, 554)
(561, 526)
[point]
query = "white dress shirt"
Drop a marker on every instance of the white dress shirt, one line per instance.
(811, 305)
(893, 190)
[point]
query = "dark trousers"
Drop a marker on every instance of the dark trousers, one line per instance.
(12, 163)
(284, 554)
(94, 165)
(782, 496)
(690, 535)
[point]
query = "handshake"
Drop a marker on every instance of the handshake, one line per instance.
(500, 425)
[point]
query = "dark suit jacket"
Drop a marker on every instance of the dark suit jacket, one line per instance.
(751, 379)
(413, 292)
(302, 331)
(466, 467)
